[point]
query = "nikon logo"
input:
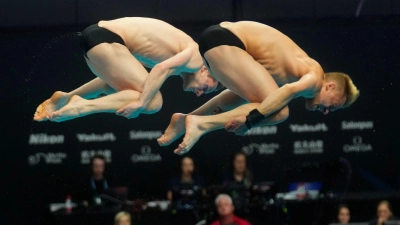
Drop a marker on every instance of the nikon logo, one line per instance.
(44, 139)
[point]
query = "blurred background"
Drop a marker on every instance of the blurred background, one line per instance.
(297, 172)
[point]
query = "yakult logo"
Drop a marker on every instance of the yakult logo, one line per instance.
(146, 155)
(267, 130)
(357, 146)
(297, 128)
(144, 135)
(308, 147)
(262, 148)
(96, 137)
(86, 155)
(48, 158)
(45, 139)
(357, 125)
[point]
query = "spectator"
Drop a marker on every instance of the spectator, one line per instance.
(122, 218)
(97, 183)
(186, 178)
(186, 191)
(343, 216)
(384, 213)
(225, 210)
(238, 173)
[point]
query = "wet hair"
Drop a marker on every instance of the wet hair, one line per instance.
(345, 84)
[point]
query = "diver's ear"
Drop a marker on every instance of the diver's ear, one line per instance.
(330, 86)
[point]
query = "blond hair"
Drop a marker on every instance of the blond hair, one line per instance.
(346, 84)
(120, 215)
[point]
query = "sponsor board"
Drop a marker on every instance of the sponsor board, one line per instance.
(262, 148)
(144, 135)
(301, 128)
(86, 155)
(96, 137)
(308, 147)
(145, 155)
(266, 130)
(357, 146)
(45, 139)
(357, 125)
(47, 158)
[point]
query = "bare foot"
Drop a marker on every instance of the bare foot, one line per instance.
(57, 100)
(175, 129)
(194, 131)
(70, 111)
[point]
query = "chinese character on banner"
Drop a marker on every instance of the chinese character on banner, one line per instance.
(320, 144)
(85, 154)
(107, 155)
